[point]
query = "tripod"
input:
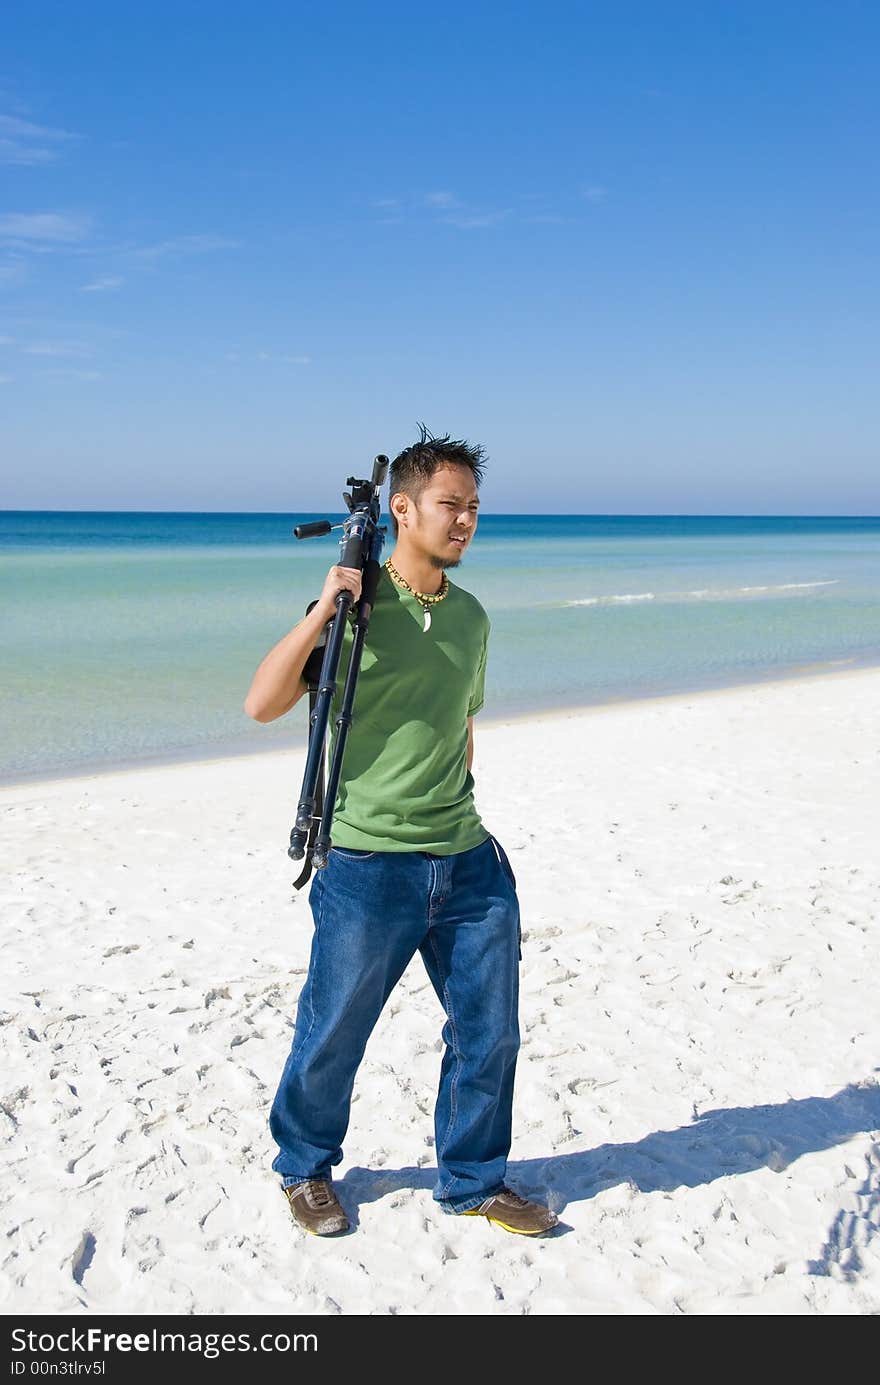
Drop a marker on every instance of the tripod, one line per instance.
(360, 547)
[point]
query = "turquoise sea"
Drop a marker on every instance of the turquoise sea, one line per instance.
(132, 637)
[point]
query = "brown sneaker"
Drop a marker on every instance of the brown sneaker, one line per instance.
(316, 1207)
(516, 1213)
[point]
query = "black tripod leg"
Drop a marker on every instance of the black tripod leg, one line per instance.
(372, 571)
(306, 871)
(319, 718)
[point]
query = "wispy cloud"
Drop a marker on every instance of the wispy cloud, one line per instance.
(447, 208)
(441, 201)
(27, 145)
(453, 211)
(185, 245)
(70, 373)
(13, 153)
(105, 284)
(475, 221)
(36, 229)
(57, 348)
(13, 272)
(391, 209)
(6, 379)
(281, 358)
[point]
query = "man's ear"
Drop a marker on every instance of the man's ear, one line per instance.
(399, 506)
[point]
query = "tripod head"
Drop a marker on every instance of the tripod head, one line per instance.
(361, 500)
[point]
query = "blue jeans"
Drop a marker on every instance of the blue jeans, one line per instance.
(372, 910)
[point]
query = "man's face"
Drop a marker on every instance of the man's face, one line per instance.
(442, 522)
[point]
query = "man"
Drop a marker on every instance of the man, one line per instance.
(412, 866)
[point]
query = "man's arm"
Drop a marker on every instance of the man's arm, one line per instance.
(278, 683)
(470, 749)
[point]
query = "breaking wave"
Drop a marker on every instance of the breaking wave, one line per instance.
(701, 594)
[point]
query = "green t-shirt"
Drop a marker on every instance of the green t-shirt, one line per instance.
(405, 783)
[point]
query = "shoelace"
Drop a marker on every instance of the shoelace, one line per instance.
(510, 1196)
(318, 1192)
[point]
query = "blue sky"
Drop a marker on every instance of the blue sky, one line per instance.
(629, 247)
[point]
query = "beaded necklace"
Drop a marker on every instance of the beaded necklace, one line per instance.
(426, 601)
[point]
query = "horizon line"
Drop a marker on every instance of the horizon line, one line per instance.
(505, 514)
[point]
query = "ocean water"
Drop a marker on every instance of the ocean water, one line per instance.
(128, 638)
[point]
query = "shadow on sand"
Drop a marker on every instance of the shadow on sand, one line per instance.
(717, 1144)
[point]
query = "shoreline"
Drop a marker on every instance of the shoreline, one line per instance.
(807, 673)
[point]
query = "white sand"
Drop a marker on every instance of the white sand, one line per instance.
(697, 1091)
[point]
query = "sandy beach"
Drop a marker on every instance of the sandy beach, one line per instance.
(697, 1093)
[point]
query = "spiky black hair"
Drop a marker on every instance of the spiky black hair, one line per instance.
(413, 468)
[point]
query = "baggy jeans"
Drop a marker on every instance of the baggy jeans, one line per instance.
(372, 910)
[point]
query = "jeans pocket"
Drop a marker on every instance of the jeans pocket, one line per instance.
(350, 853)
(508, 871)
(502, 857)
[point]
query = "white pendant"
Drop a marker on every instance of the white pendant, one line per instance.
(427, 625)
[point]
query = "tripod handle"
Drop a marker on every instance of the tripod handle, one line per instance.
(313, 529)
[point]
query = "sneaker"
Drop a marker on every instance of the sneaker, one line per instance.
(515, 1213)
(316, 1207)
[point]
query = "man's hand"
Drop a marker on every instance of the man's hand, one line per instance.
(339, 579)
